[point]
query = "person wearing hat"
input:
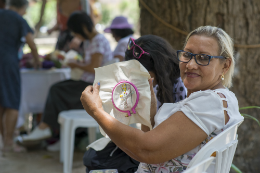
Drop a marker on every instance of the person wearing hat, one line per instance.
(121, 30)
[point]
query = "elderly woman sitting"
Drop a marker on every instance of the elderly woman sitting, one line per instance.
(181, 129)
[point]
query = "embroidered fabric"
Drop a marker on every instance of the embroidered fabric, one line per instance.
(125, 97)
(136, 79)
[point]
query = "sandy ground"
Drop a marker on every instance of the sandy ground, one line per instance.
(38, 161)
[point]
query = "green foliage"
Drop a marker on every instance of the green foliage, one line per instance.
(236, 169)
(127, 8)
(123, 6)
(105, 14)
(249, 116)
(33, 13)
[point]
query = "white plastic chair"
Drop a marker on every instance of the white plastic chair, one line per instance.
(224, 144)
(201, 167)
(69, 122)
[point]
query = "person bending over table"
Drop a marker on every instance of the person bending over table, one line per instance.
(15, 32)
(65, 95)
(180, 129)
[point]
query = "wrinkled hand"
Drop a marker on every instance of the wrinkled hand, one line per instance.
(153, 108)
(90, 99)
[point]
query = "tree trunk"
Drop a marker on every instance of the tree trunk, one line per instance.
(241, 20)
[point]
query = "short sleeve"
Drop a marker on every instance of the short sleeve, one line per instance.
(205, 108)
(25, 28)
(120, 48)
(97, 45)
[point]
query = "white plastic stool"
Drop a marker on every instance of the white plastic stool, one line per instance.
(69, 122)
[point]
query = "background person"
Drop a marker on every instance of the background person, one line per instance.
(206, 68)
(15, 31)
(65, 95)
(64, 9)
(121, 30)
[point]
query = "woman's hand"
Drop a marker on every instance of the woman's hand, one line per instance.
(73, 64)
(36, 63)
(90, 99)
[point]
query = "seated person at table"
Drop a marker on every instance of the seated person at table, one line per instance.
(180, 129)
(65, 95)
(121, 30)
(15, 32)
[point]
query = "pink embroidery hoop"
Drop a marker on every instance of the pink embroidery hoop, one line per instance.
(137, 98)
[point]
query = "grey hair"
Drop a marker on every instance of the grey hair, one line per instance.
(226, 47)
(18, 3)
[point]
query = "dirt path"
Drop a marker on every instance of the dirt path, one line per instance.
(38, 161)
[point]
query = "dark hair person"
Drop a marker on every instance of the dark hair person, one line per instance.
(180, 129)
(163, 66)
(15, 32)
(121, 30)
(65, 95)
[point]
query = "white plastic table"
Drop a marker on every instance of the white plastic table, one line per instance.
(35, 85)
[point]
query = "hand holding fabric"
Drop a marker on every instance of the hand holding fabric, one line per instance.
(90, 99)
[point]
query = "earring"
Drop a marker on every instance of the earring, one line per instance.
(222, 77)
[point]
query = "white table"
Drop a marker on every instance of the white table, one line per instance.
(35, 85)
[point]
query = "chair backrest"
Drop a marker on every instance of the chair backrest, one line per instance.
(224, 144)
(201, 167)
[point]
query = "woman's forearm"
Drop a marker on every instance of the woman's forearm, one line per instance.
(88, 68)
(35, 54)
(132, 144)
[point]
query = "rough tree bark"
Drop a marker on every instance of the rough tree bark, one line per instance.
(241, 20)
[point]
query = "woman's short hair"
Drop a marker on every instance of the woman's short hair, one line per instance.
(162, 61)
(226, 47)
(121, 33)
(79, 19)
(18, 3)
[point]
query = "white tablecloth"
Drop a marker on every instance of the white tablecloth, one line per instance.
(35, 86)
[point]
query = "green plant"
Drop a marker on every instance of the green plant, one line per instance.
(236, 169)
(249, 116)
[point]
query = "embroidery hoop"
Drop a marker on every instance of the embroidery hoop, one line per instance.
(136, 102)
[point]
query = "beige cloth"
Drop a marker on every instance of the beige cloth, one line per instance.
(99, 144)
(131, 71)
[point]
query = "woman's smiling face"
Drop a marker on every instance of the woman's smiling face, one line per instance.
(196, 77)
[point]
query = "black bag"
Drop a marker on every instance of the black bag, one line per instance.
(111, 157)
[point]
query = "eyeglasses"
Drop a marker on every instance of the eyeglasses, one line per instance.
(137, 50)
(201, 59)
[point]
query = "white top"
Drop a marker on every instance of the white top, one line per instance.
(204, 108)
(121, 46)
(99, 44)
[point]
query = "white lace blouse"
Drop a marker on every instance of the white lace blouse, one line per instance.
(204, 108)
